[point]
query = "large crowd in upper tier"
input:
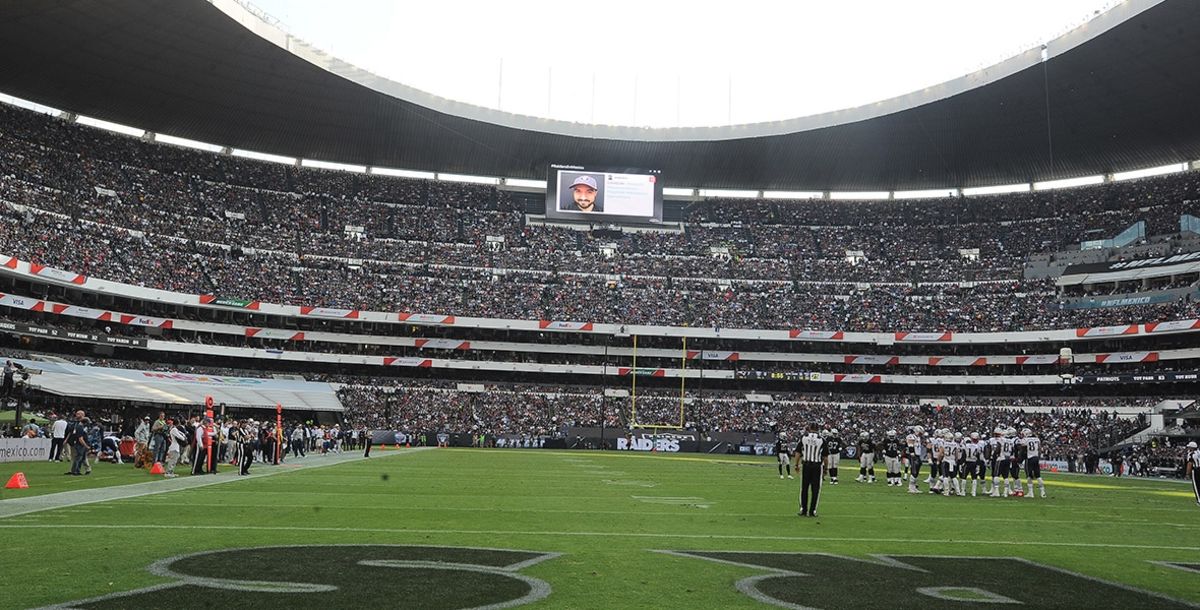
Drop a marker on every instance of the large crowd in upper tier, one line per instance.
(122, 209)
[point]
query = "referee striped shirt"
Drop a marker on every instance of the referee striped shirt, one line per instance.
(810, 447)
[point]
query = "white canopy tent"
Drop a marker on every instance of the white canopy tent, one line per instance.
(168, 388)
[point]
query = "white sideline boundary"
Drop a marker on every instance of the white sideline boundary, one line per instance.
(14, 507)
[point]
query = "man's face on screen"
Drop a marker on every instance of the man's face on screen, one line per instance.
(585, 197)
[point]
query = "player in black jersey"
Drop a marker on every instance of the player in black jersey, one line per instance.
(892, 449)
(833, 447)
(866, 458)
(785, 458)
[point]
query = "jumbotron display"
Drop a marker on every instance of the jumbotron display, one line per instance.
(607, 194)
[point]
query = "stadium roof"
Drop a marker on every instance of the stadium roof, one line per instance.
(1118, 93)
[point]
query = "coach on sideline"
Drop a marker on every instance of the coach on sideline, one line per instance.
(809, 452)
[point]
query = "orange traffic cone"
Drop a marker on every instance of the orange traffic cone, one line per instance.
(17, 481)
(157, 468)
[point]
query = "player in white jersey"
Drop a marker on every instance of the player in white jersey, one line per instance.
(949, 466)
(992, 449)
(914, 453)
(1192, 469)
(936, 455)
(1003, 456)
(1018, 460)
(972, 450)
(1033, 464)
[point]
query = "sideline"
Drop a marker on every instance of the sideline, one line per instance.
(13, 507)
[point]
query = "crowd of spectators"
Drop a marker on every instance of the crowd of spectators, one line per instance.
(164, 217)
(1069, 427)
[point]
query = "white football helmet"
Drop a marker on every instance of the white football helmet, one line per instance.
(974, 436)
(1026, 432)
(891, 434)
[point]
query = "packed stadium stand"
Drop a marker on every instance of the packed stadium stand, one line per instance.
(466, 308)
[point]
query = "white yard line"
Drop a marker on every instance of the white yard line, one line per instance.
(659, 535)
(66, 499)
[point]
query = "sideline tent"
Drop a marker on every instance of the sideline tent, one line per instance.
(77, 381)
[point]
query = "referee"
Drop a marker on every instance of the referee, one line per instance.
(809, 452)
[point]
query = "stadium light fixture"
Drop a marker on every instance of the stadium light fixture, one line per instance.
(402, 173)
(110, 126)
(678, 192)
(523, 183)
(1150, 171)
(1067, 183)
(925, 194)
(858, 195)
(250, 154)
(468, 179)
(345, 167)
(793, 195)
(28, 105)
(997, 189)
(186, 143)
(728, 193)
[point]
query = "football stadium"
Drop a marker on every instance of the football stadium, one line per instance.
(493, 305)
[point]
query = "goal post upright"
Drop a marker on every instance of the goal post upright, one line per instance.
(682, 379)
(633, 391)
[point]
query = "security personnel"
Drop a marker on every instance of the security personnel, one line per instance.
(1193, 468)
(811, 455)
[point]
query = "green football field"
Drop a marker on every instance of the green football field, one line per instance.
(460, 528)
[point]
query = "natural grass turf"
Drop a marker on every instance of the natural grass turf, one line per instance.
(48, 477)
(605, 512)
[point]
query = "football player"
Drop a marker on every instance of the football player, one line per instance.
(914, 448)
(972, 461)
(1018, 459)
(784, 456)
(949, 464)
(936, 454)
(1192, 468)
(1033, 464)
(1002, 457)
(891, 458)
(866, 458)
(834, 446)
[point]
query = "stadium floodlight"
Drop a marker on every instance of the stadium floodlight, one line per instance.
(110, 126)
(728, 193)
(345, 167)
(858, 195)
(402, 173)
(1066, 183)
(258, 156)
(468, 179)
(1150, 171)
(523, 183)
(997, 189)
(793, 195)
(28, 105)
(925, 194)
(186, 143)
(678, 192)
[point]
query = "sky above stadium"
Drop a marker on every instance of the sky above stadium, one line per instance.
(669, 64)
